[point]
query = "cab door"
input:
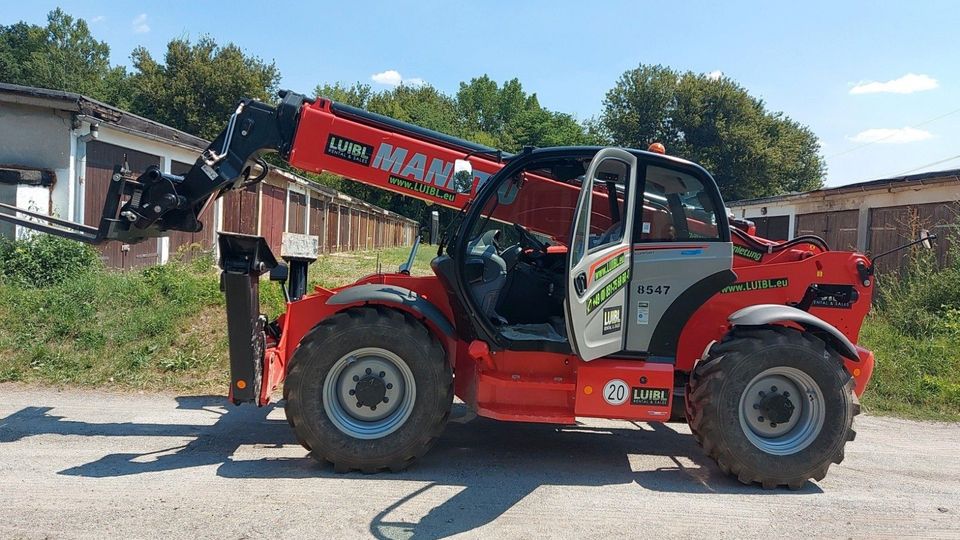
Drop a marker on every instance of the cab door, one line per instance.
(598, 268)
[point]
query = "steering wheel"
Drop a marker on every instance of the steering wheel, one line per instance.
(529, 240)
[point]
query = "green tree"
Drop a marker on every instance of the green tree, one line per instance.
(750, 151)
(423, 105)
(356, 96)
(198, 85)
(62, 55)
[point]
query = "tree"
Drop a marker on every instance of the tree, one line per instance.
(750, 151)
(198, 86)
(422, 105)
(356, 96)
(63, 55)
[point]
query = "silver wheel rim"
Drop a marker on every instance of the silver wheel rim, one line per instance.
(354, 384)
(782, 411)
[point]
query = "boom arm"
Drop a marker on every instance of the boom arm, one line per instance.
(314, 135)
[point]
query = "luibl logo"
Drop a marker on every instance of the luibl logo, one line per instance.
(344, 148)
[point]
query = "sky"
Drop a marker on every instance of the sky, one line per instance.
(878, 82)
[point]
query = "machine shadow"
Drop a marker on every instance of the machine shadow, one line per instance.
(494, 465)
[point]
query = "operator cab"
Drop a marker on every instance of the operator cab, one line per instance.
(543, 258)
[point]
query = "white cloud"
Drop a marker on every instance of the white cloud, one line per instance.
(140, 25)
(97, 19)
(891, 135)
(907, 84)
(392, 77)
(715, 75)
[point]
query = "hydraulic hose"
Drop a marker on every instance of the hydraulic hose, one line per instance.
(805, 239)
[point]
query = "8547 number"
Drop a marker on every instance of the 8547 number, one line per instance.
(653, 289)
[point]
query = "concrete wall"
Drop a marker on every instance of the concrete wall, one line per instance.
(39, 138)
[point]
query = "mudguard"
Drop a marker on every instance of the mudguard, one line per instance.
(398, 296)
(762, 314)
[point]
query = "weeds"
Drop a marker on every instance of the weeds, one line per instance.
(913, 331)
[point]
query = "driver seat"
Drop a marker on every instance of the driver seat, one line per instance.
(486, 273)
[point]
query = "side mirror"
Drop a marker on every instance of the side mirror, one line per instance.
(462, 176)
(926, 237)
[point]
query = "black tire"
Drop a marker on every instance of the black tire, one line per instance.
(332, 339)
(713, 404)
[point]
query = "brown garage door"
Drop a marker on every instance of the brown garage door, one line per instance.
(317, 225)
(240, 210)
(101, 157)
(297, 213)
(184, 245)
(333, 233)
(273, 215)
(839, 229)
(894, 226)
(772, 228)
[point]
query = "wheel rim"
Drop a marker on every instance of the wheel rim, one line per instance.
(782, 410)
(369, 393)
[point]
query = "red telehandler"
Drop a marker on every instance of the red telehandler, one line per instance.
(574, 282)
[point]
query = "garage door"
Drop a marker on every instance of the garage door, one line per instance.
(839, 229)
(183, 245)
(772, 228)
(101, 157)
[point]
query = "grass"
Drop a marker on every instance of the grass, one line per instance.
(915, 377)
(914, 331)
(162, 328)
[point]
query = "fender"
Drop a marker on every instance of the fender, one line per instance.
(762, 314)
(398, 296)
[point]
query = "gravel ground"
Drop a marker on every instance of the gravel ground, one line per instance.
(85, 464)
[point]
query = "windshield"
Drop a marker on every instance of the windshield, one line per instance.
(541, 199)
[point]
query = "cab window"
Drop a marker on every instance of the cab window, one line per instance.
(605, 224)
(676, 207)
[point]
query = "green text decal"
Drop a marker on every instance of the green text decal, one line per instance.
(607, 291)
(420, 187)
(747, 253)
(756, 285)
(609, 266)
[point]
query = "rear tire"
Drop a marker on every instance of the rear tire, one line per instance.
(772, 405)
(369, 389)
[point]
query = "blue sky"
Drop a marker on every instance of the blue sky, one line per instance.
(813, 60)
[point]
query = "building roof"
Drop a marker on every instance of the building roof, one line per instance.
(912, 180)
(97, 111)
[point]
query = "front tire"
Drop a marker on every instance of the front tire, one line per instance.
(772, 405)
(369, 389)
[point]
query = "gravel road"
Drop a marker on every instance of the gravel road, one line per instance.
(84, 464)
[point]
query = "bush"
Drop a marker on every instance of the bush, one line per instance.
(919, 301)
(42, 260)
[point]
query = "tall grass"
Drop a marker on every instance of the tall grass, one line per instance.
(915, 333)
